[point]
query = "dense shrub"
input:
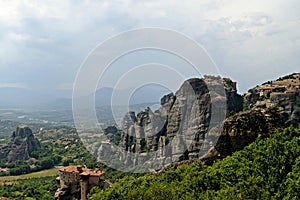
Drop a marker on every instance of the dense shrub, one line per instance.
(266, 169)
(34, 188)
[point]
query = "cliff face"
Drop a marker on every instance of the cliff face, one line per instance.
(284, 93)
(20, 146)
(290, 104)
(243, 128)
(275, 104)
(176, 131)
(180, 127)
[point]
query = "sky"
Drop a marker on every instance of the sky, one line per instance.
(44, 43)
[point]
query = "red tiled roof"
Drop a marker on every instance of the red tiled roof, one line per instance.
(290, 91)
(267, 88)
(69, 169)
(81, 170)
(4, 198)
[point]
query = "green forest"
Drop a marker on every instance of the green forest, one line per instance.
(266, 169)
(42, 188)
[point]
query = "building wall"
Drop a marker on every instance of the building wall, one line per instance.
(67, 178)
(84, 188)
(94, 181)
(79, 185)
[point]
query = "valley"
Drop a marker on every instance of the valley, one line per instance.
(259, 143)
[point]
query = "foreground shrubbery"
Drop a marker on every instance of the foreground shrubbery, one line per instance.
(266, 169)
(30, 189)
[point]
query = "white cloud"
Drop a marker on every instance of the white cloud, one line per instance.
(45, 38)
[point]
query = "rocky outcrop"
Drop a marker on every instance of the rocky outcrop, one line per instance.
(273, 105)
(239, 131)
(243, 128)
(283, 92)
(21, 145)
(112, 134)
(234, 100)
(289, 103)
(189, 121)
(176, 131)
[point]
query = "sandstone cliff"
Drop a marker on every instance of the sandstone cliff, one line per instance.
(21, 145)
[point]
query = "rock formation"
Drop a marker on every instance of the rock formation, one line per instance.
(188, 122)
(176, 131)
(21, 145)
(284, 93)
(273, 105)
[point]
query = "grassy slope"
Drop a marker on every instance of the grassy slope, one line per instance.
(44, 173)
(34, 186)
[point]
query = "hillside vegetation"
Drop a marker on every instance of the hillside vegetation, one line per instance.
(34, 186)
(41, 188)
(266, 169)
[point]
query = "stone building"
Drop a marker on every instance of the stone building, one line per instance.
(77, 181)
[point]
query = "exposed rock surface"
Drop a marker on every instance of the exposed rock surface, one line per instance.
(290, 103)
(275, 104)
(284, 92)
(243, 128)
(21, 145)
(176, 131)
(186, 119)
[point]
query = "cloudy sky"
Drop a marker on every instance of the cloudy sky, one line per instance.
(43, 43)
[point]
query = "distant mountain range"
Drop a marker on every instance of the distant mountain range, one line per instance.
(22, 98)
(62, 99)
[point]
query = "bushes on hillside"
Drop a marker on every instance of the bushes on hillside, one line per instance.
(266, 169)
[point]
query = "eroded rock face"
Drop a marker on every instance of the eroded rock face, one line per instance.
(288, 102)
(283, 93)
(20, 146)
(187, 119)
(176, 131)
(240, 130)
